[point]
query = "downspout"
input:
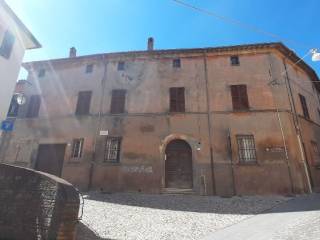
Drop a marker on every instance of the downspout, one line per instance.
(94, 155)
(281, 128)
(209, 121)
(296, 123)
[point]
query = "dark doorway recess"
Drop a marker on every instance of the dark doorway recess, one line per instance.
(50, 158)
(178, 165)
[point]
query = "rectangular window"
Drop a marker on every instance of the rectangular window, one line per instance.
(83, 104)
(112, 149)
(41, 73)
(234, 60)
(77, 146)
(176, 63)
(7, 45)
(246, 149)
(89, 68)
(118, 100)
(304, 106)
(13, 108)
(34, 106)
(177, 100)
(239, 97)
(121, 66)
(315, 153)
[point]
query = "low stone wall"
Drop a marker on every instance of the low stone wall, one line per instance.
(36, 205)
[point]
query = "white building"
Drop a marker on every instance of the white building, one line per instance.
(15, 38)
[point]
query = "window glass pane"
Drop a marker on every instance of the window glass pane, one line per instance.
(7, 44)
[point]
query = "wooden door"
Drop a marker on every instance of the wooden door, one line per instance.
(50, 158)
(178, 165)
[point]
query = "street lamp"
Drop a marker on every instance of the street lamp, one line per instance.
(315, 55)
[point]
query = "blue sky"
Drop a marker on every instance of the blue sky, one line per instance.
(96, 26)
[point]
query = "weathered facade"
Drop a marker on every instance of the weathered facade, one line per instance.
(228, 120)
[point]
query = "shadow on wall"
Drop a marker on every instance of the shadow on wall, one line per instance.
(246, 205)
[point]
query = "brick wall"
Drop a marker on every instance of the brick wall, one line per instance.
(36, 205)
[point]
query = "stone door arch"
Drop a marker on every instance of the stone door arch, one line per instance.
(178, 165)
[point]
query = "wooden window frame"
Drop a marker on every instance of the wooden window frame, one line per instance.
(304, 106)
(34, 106)
(112, 148)
(234, 60)
(41, 73)
(77, 148)
(13, 108)
(121, 66)
(176, 63)
(118, 101)
(315, 154)
(177, 99)
(247, 154)
(7, 44)
(83, 107)
(239, 95)
(89, 68)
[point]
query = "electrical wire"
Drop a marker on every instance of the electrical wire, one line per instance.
(239, 23)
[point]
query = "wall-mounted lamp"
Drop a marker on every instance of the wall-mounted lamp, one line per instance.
(20, 98)
(198, 146)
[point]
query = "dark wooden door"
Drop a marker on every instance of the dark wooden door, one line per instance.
(178, 165)
(50, 158)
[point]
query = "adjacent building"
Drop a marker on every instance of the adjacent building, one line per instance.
(225, 121)
(15, 38)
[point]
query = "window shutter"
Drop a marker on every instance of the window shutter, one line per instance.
(239, 97)
(34, 106)
(118, 100)
(177, 100)
(83, 104)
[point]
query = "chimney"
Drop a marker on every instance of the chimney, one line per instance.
(73, 52)
(150, 43)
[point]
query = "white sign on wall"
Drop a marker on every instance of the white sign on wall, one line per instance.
(104, 133)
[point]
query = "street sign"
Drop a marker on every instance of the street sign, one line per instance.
(7, 125)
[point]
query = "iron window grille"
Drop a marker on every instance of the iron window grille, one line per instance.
(77, 147)
(316, 153)
(7, 45)
(176, 63)
(234, 60)
(89, 68)
(112, 149)
(121, 65)
(246, 149)
(304, 106)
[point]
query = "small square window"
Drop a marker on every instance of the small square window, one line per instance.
(176, 63)
(121, 66)
(235, 60)
(112, 149)
(77, 146)
(41, 73)
(89, 68)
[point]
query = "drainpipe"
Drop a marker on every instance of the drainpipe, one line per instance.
(94, 155)
(296, 123)
(281, 127)
(209, 121)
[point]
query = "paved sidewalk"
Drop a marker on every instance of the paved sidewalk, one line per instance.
(298, 218)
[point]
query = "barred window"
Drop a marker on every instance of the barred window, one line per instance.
(315, 153)
(246, 149)
(112, 149)
(77, 146)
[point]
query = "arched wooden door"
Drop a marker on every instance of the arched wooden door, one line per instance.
(178, 165)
